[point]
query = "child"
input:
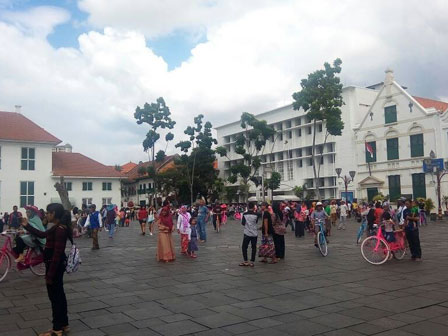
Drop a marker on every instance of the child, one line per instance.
(193, 241)
(388, 227)
(127, 220)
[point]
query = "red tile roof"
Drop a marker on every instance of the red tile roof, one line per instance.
(17, 127)
(126, 168)
(428, 103)
(76, 164)
(133, 174)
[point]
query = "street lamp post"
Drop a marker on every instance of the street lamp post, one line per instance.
(346, 179)
(439, 173)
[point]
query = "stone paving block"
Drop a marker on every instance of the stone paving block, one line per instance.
(367, 328)
(265, 323)
(395, 332)
(336, 321)
(365, 313)
(88, 306)
(179, 328)
(427, 328)
(303, 327)
(106, 320)
(90, 332)
(141, 314)
(240, 328)
(342, 332)
(219, 320)
(21, 332)
(118, 329)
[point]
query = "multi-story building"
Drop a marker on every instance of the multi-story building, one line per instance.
(31, 163)
(400, 131)
(290, 153)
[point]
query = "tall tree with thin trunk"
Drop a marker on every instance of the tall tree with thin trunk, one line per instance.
(199, 162)
(158, 116)
(321, 99)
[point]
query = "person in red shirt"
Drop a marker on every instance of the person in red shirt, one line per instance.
(378, 213)
(142, 218)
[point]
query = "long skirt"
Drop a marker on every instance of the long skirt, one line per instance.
(279, 242)
(184, 243)
(165, 247)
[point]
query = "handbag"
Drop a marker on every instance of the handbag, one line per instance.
(267, 249)
(279, 227)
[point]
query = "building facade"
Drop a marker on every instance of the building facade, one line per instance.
(363, 114)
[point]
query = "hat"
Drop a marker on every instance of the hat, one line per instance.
(34, 209)
(318, 203)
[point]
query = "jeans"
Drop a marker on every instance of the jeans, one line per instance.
(414, 243)
(342, 221)
(111, 229)
(95, 239)
(201, 227)
(57, 298)
(253, 242)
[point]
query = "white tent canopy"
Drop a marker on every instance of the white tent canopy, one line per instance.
(278, 198)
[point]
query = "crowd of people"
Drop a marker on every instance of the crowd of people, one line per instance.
(50, 229)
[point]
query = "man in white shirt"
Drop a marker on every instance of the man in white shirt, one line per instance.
(343, 215)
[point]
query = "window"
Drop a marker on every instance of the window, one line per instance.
(394, 187)
(68, 186)
(319, 127)
(331, 158)
(87, 201)
(390, 114)
(417, 145)
(107, 185)
(281, 137)
(288, 124)
(310, 162)
(320, 149)
(290, 170)
(310, 130)
(280, 168)
(418, 185)
(272, 157)
(87, 186)
(280, 156)
(309, 151)
(300, 163)
(322, 182)
(330, 148)
(289, 134)
(28, 158)
(279, 126)
(299, 152)
(370, 146)
(392, 149)
(298, 121)
(299, 132)
(332, 181)
(107, 201)
(321, 159)
(26, 193)
(290, 154)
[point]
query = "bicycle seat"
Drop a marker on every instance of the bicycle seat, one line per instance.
(8, 233)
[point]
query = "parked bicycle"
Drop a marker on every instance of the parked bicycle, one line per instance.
(34, 258)
(377, 250)
(321, 239)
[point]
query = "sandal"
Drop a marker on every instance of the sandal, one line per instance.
(244, 264)
(251, 264)
(52, 333)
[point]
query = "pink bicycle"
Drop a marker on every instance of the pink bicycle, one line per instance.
(34, 258)
(377, 250)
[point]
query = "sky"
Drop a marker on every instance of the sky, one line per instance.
(80, 68)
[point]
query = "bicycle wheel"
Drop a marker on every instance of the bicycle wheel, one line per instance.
(372, 254)
(322, 243)
(37, 268)
(5, 265)
(399, 254)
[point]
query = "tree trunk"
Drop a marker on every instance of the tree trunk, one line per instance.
(156, 205)
(321, 154)
(63, 194)
(313, 157)
(192, 178)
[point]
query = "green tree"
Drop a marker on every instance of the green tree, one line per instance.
(274, 181)
(299, 191)
(199, 157)
(231, 193)
(321, 98)
(250, 145)
(158, 117)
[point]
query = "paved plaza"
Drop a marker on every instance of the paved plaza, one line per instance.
(122, 290)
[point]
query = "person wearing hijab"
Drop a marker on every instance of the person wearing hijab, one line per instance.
(165, 246)
(183, 228)
(29, 240)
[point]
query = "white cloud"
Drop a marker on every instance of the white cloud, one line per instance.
(252, 61)
(38, 21)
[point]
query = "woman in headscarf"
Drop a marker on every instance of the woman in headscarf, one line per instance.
(29, 240)
(165, 247)
(183, 228)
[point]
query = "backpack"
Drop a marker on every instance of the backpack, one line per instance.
(73, 259)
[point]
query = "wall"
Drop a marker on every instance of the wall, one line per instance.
(11, 174)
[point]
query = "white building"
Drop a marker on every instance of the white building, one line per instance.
(290, 153)
(30, 164)
(402, 131)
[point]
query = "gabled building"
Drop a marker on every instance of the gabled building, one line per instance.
(396, 134)
(31, 162)
(137, 186)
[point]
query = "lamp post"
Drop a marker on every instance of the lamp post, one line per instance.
(439, 173)
(346, 179)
